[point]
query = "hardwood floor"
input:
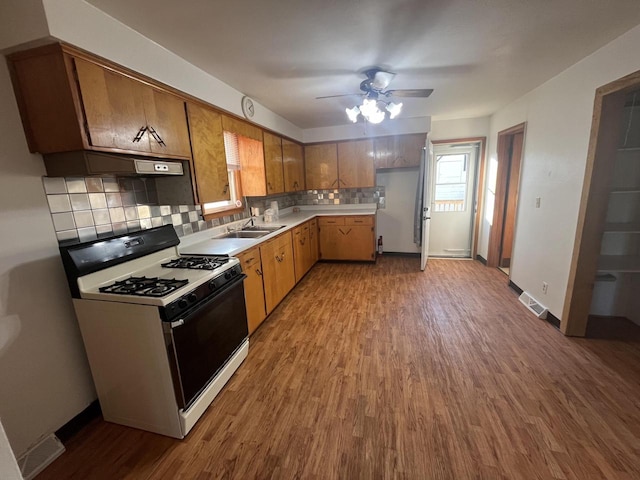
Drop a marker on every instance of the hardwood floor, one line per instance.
(376, 371)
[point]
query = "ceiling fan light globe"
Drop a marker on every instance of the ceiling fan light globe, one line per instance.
(352, 113)
(394, 109)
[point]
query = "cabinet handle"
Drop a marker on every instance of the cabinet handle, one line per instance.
(269, 187)
(140, 134)
(340, 180)
(295, 184)
(334, 182)
(226, 188)
(156, 136)
(345, 233)
(302, 240)
(258, 272)
(279, 259)
(249, 260)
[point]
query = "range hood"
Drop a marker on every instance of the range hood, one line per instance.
(86, 163)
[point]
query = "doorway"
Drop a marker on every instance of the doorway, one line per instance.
(605, 267)
(453, 193)
(510, 147)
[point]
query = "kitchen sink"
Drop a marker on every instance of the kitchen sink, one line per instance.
(255, 231)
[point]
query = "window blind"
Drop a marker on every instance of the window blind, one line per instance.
(232, 152)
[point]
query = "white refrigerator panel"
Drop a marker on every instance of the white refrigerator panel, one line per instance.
(395, 221)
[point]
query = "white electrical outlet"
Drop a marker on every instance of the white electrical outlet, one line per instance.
(538, 204)
(545, 287)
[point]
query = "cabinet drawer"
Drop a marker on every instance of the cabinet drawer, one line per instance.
(324, 221)
(359, 220)
(249, 258)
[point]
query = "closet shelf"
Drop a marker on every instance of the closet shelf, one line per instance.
(622, 227)
(619, 263)
(625, 190)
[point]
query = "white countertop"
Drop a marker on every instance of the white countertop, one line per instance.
(205, 243)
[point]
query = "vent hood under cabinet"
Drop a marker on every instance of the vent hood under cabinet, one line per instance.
(87, 163)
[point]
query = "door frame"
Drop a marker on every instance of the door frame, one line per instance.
(603, 144)
(502, 179)
(480, 179)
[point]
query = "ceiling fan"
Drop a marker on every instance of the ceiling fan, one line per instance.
(375, 95)
(375, 84)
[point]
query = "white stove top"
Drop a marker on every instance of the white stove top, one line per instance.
(147, 266)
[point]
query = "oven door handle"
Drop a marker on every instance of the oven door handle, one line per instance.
(184, 316)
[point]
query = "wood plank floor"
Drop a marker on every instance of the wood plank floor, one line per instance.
(383, 372)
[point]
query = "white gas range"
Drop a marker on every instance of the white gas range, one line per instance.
(163, 332)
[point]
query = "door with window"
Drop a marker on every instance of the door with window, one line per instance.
(453, 201)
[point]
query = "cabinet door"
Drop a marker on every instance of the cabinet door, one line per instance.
(329, 240)
(210, 164)
(357, 242)
(321, 166)
(273, 163)
(167, 122)
(301, 250)
(293, 163)
(355, 164)
(113, 108)
(407, 150)
(278, 269)
(313, 242)
(399, 151)
(253, 288)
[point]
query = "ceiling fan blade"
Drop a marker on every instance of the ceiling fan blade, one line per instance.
(344, 95)
(421, 92)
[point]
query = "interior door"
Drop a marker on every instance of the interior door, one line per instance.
(426, 205)
(452, 200)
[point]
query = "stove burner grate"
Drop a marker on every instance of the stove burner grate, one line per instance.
(144, 286)
(197, 263)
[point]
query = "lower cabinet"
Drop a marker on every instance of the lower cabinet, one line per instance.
(278, 269)
(253, 287)
(348, 237)
(313, 241)
(305, 247)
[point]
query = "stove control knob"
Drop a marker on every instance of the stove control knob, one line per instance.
(227, 275)
(182, 303)
(192, 297)
(212, 285)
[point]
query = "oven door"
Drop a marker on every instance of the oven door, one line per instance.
(201, 342)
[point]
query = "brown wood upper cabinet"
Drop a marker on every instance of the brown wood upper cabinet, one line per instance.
(273, 163)
(340, 165)
(321, 166)
(355, 164)
(209, 158)
(69, 101)
(293, 163)
(399, 151)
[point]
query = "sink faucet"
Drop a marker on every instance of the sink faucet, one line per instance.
(244, 225)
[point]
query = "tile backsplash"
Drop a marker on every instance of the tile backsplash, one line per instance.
(87, 208)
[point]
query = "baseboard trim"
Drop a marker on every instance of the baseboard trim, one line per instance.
(77, 423)
(515, 287)
(553, 320)
(481, 259)
(402, 254)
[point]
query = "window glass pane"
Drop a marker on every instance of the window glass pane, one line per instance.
(450, 183)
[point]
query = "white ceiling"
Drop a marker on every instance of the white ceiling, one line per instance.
(478, 55)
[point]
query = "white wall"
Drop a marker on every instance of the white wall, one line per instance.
(558, 116)
(460, 128)
(44, 375)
